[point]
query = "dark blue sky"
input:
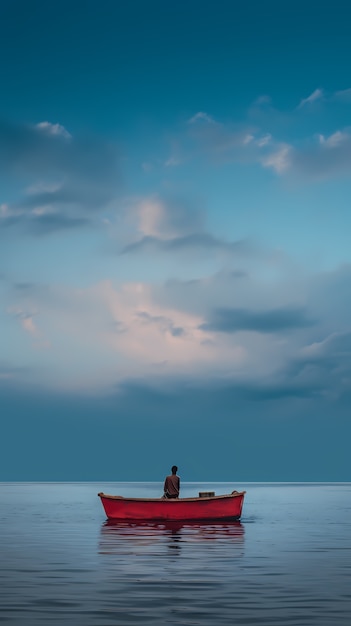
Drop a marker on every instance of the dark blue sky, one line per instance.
(111, 65)
(175, 269)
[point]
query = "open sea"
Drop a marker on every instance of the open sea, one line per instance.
(287, 562)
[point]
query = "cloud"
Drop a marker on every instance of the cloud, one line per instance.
(25, 318)
(153, 333)
(166, 218)
(53, 129)
(44, 224)
(278, 160)
(270, 433)
(43, 221)
(229, 320)
(27, 150)
(230, 288)
(24, 286)
(343, 96)
(334, 140)
(329, 156)
(280, 390)
(72, 177)
(264, 140)
(240, 142)
(195, 242)
(269, 141)
(201, 117)
(317, 94)
(164, 323)
(223, 141)
(29, 326)
(113, 333)
(263, 100)
(324, 366)
(173, 226)
(335, 345)
(231, 329)
(173, 161)
(332, 354)
(9, 371)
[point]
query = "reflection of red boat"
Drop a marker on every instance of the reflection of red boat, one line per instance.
(227, 507)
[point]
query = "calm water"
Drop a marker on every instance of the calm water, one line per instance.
(287, 562)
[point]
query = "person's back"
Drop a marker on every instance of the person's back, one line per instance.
(172, 484)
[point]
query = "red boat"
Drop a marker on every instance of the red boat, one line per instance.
(226, 507)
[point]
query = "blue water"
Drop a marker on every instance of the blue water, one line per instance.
(287, 562)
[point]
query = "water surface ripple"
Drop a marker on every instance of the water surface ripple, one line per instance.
(287, 562)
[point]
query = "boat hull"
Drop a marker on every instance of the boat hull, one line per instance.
(227, 507)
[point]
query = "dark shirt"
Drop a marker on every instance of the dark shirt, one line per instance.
(172, 486)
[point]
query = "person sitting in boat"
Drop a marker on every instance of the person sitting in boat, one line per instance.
(172, 484)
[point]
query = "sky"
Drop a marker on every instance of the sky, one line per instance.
(175, 260)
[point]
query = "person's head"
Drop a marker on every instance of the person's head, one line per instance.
(174, 469)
